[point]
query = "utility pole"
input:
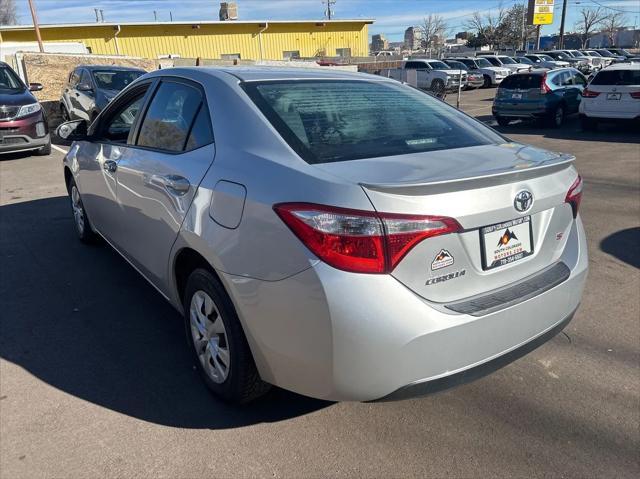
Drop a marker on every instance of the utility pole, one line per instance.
(102, 16)
(170, 16)
(36, 27)
(564, 15)
(155, 16)
(97, 16)
(329, 12)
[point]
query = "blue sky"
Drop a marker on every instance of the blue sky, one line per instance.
(392, 16)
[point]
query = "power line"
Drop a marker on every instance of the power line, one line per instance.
(614, 9)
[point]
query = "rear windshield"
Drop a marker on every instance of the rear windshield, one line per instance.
(115, 80)
(521, 82)
(617, 77)
(333, 120)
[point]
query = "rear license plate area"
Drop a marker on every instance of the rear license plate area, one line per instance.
(516, 96)
(505, 243)
(613, 96)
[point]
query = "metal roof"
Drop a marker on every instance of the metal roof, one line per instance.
(193, 22)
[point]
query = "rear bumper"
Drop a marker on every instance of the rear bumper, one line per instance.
(422, 388)
(526, 111)
(335, 335)
(609, 115)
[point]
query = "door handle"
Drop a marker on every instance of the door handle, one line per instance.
(175, 184)
(110, 166)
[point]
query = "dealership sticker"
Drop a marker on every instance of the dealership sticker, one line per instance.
(442, 260)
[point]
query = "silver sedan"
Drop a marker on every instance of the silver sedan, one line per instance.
(340, 235)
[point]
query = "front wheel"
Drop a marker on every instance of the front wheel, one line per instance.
(487, 81)
(557, 117)
(220, 349)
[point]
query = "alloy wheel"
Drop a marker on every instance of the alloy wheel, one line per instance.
(78, 210)
(209, 337)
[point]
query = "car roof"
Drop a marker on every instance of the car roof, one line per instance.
(266, 73)
(623, 66)
(109, 67)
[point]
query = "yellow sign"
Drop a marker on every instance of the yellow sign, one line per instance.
(542, 12)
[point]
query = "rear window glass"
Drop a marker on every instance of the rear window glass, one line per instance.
(331, 120)
(115, 80)
(521, 82)
(617, 77)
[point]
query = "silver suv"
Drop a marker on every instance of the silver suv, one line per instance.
(336, 234)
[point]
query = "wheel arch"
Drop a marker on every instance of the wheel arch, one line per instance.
(185, 262)
(68, 176)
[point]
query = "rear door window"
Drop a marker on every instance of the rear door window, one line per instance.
(332, 120)
(617, 77)
(521, 82)
(167, 123)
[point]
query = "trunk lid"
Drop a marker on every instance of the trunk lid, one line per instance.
(477, 187)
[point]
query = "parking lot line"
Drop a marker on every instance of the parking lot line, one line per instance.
(60, 149)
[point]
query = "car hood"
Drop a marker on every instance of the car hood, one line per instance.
(445, 165)
(16, 97)
(497, 69)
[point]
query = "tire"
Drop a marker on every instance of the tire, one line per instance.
(215, 335)
(588, 124)
(80, 219)
(502, 121)
(487, 82)
(45, 150)
(556, 119)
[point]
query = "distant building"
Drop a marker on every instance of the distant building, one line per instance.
(379, 43)
(228, 11)
(412, 38)
(624, 38)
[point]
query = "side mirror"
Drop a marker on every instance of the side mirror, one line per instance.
(84, 87)
(35, 86)
(75, 130)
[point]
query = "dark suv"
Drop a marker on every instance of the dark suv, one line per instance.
(23, 125)
(91, 88)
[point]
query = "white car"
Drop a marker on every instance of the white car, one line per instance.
(433, 75)
(613, 94)
(493, 75)
(503, 61)
(545, 61)
(597, 58)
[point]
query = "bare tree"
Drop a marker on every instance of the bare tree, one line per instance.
(610, 25)
(8, 15)
(433, 29)
(587, 22)
(486, 25)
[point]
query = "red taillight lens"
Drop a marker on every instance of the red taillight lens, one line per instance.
(586, 93)
(360, 241)
(635, 94)
(574, 195)
(544, 88)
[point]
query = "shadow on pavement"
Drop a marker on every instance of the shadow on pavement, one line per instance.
(82, 320)
(624, 245)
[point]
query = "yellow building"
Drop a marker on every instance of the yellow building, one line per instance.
(250, 40)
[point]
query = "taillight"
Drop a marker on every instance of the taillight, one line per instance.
(360, 241)
(544, 88)
(586, 93)
(635, 94)
(574, 195)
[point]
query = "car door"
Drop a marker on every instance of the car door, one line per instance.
(85, 95)
(97, 159)
(158, 179)
(69, 93)
(580, 83)
(571, 93)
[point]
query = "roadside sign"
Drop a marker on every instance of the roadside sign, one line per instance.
(540, 12)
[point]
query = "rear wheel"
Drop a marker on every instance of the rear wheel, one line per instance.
(556, 119)
(502, 121)
(218, 343)
(80, 218)
(487, 81)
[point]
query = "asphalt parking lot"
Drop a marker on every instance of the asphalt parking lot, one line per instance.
(96, 379)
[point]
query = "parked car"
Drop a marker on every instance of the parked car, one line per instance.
(613, 94)
(23, 123)
(432, 75)
(621, 52)
(523, 60)
(547, 95)
(321, 231)
(474, 78)
(492, 75)
(615, 58)
(504, 61)
(595, 63)
(597, 58)
(581, 64)
(91, 87)
(545, 61)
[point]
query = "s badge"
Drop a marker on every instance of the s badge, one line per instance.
(442, 260)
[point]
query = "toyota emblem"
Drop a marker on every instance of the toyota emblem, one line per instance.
(523, 201)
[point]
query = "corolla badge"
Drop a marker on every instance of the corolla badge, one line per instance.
(523, 201)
